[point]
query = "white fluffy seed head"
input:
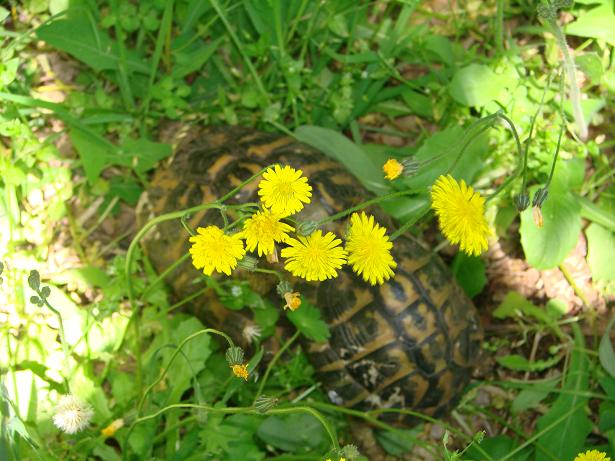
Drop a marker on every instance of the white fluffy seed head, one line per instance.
(72, 414)
(251, 333)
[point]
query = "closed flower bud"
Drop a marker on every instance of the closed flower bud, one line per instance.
(248, 263)
(283, 287)
(265, 403)
(540, 196)
(306, 228)
(234, 355)
(522, 201)
(546, 12)
(538, 217)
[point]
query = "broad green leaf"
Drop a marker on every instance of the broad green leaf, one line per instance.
(470, 273)
(297, 432)
(591, 65)
(600, 252)
(126, 188)
(192, 59)
(308, 321)
(530, 398)
(342, 149)
(596, 23)
(607, 416)
(477, 85)
(497, 448)
(445, 145)
(546, 247)
(143, 154)
(78, 35)
(563, 429)
(95, 155)
(600, 213)
(519, 363)
(399, 442)
(606, 352)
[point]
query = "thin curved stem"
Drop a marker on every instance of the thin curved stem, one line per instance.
(274, 360)
(130, 254)
(363, 205)
(172, 359)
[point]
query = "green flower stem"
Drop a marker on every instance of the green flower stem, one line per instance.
(163, 275)
(237, 410)
(539, 434)
(274, 360)
(559, 141)
(411, 222)
(270, 272)
(62, 340)
(176, 352)
(363, 205)
(381, 424)
(483, 124)
(570, 69)
(130, 255)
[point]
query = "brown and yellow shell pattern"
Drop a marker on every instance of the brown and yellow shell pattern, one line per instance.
(410, 343)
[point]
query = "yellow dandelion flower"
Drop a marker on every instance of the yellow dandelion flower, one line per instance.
(213, 250)
(461, 212)
(293, 301)
(316, 257)
(262, 230)
(241, 371)
(392, 169)
(592, 455)
(284, 190)
(369, 249)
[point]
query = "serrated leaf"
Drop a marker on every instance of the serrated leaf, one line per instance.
(308, 321)
(565, 426)
(606, 352)
(546, 247)
(519, 363)
(530, 398)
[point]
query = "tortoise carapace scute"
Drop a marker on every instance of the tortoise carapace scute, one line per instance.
(410, 343)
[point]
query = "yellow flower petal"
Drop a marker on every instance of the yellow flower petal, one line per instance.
(461, 213)
(284, 190)
(316, 257)
(262, 230)
(241, 371)
(369, 249)
(592, 455)
(213, 250)
(293, 301)
(392, 169)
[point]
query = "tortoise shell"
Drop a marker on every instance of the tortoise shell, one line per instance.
(410, 343)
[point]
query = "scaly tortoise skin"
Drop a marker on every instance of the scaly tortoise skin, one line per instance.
(410, 343)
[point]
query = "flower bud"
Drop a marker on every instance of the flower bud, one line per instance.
(293, 301)
(283, 287)
(538, 217)
(351, 452)
(234, 355)
(248, 263)
(393, 168)
(522, 201)
(306, 228)
(546, 12)
(112, 428)
(264, 403)
(540, 196)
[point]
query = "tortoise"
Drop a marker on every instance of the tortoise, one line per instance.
(410, 343)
